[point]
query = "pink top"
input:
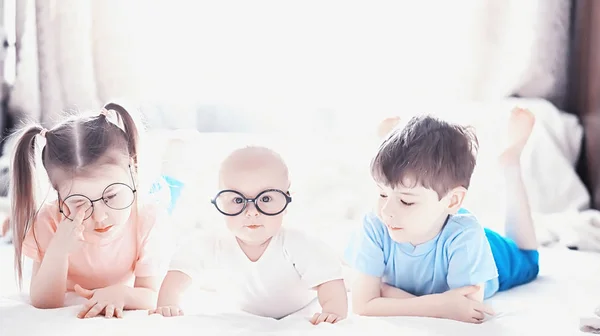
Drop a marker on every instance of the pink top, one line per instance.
(140, 249)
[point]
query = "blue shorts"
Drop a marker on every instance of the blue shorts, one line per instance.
(515, 266)
(175, 186)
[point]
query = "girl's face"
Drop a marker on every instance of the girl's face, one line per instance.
(107, 194)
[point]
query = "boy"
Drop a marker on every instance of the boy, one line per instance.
(265, 269)
(420, 254)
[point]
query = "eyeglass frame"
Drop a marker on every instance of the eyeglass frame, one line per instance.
(133, 189)
(288, 200)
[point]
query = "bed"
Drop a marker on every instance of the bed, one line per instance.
(567, 289)
(552, 305)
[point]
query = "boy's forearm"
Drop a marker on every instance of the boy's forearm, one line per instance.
(174, 284)
(425, 306)
(392, 292)
(333, 298)
(49, 284)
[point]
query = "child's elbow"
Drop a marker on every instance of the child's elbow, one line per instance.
(45, 300)
(38, 304)
(360, 308)
(362, 312)
(362, 300)
(46, 304)
(358, 311)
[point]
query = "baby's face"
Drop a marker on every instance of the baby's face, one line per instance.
(251, 226)
(411, 215)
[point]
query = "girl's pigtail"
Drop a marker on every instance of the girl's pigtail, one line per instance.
(22, 192)
(131, 129)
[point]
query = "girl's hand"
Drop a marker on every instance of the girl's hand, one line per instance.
(108, 301)
(69, 233)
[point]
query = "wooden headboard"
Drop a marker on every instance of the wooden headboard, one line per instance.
(583, 97)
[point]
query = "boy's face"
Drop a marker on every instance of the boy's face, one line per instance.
(251, 226)
(415, 215)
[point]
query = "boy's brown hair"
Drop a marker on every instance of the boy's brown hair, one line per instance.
(428, 151)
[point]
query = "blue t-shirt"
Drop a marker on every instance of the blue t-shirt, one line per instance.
(460, 255)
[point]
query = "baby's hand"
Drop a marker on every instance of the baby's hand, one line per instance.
(324, 317)
(167, 311)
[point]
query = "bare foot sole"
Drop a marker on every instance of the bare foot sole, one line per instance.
(520, 125)
(387, 125)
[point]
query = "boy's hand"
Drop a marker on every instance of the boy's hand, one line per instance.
(110, 300)
(324, 317)
(455, 305)
(167, 311)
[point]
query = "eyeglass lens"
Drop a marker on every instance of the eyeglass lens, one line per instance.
(269, 202)
(117, 196)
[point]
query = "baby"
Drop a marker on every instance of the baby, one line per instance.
(266, 269)
(419, 253)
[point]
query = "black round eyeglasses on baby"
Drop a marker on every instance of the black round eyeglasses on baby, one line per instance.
(270, 202)
(117, 196)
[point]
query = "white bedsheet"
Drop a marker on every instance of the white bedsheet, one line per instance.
(568, 288)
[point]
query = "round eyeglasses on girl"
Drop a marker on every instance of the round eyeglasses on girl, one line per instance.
(116, 196)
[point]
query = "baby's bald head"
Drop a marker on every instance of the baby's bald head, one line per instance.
(260, 174)
(254, 165)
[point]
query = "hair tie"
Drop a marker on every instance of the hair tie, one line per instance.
(112, 117)
(43, 132)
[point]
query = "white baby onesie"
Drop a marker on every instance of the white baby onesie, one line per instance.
(280, 283)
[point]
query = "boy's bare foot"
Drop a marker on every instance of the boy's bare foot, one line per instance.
(520, 125)
(387, 125)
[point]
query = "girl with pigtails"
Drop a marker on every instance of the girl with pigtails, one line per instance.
(100, 238)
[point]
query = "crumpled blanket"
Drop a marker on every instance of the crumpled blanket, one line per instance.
(591, 323)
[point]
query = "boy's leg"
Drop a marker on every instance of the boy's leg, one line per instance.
(519, 223)
(516, 255)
